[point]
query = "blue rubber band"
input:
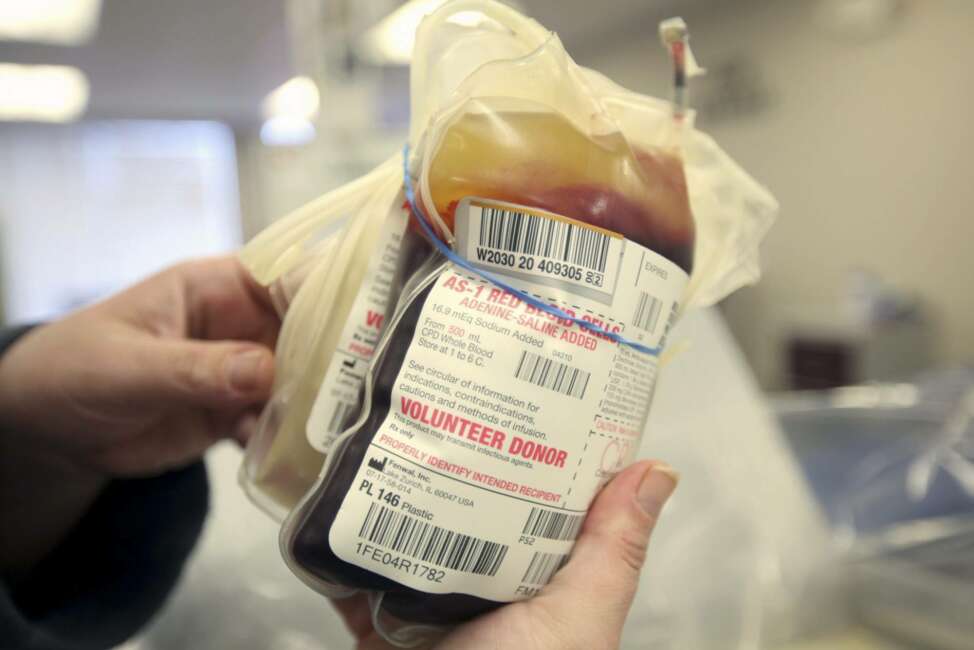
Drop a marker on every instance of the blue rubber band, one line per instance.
(451, 255)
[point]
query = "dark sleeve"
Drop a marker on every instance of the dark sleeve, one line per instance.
(114, 570)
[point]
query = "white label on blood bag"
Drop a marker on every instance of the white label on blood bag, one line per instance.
(339, 392)
(504, 419)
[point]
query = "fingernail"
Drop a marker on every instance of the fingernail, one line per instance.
(243, 370)
(655, 488)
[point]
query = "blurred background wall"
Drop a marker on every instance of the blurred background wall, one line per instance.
(863, 132)
(855, 113)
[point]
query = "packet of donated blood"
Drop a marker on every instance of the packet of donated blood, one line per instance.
(562, 215)
(552, 245)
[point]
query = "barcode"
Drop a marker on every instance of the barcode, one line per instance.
(542, 567)
(338, 416)
(519, 232)
(553, 375)
(423, 541)
(648, 310)
(552, 524)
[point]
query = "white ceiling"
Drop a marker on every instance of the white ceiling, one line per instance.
(216, 59)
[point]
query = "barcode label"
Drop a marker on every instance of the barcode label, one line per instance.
(338, 416)
(423, 541)
(554, 239)
(648, 310)
(553, 375)
(542, 567)
(552, 524)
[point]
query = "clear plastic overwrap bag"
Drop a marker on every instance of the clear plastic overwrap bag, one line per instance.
(558, 225)
(327, 285)
(907, 526)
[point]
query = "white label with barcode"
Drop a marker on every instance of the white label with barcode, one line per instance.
(505, 420)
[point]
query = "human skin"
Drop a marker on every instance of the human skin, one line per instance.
(134, 386)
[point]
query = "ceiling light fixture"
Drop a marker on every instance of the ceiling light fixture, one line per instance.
(391, 40)
(296, 97)
(42, 93)
(289, 113)
(60, 22)
(285, 131)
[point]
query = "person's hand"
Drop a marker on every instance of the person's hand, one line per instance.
(136, 385)
(148, 379)
(586, 603)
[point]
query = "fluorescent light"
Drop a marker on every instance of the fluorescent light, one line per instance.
(287, 131)
(63, 22)
(42, 93)
(290, 111)
(392, 39)
(297, 97)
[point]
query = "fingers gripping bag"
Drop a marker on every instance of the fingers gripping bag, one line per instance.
(328, 267)
(558, 226)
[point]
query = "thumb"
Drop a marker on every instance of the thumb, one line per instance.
(206, 373)
(599, 581)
